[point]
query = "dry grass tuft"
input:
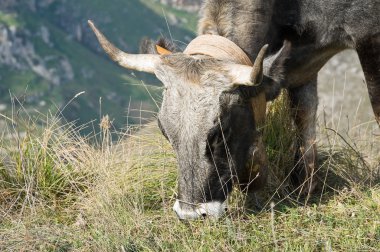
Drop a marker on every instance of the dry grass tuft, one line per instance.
(60, 191)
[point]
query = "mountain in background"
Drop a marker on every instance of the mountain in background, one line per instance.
(48, 55)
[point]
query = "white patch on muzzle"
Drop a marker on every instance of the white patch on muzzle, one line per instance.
(212, 210)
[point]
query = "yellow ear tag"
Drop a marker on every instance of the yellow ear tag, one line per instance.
(162, 51)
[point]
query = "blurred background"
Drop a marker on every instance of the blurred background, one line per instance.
(49, 57)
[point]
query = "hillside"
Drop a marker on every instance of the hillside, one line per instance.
(48, 55)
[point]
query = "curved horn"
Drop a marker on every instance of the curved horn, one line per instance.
(139, 62)
(257, 72)
(248, 75)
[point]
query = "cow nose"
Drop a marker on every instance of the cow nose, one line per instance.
(212, 210)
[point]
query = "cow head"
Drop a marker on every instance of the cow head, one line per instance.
(207, 116)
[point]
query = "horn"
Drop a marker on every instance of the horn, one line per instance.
(140, 62)
(257, 72)
(248, 75)
(241, 74)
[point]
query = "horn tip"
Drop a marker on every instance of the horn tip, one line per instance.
(287, 43)
(91, 24)
(94, 29)
(265, 48)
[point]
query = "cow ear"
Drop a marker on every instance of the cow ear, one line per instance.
(273, 75)
(274, 65)
(148, 46)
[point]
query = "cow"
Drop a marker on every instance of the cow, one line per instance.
(210, 110)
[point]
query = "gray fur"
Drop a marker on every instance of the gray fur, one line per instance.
(317, 29)
(211, 126)
(201, 115)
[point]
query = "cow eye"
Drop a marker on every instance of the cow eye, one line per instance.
(214, 138)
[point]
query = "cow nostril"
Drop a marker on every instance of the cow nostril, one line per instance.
(204, 215)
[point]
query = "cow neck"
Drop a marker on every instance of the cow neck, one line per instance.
(224, 49)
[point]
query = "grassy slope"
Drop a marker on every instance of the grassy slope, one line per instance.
(129, 21)
(66, 193)
(61, 192)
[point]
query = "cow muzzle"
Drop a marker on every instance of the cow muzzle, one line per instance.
(212, 210)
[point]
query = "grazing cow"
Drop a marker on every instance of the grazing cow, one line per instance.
(214, 100)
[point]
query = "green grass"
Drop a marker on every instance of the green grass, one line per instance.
(63, 192)
(42, 168)
(9, 19)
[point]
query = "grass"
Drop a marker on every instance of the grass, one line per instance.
(9, 19)
(60, 191)
(43, 168)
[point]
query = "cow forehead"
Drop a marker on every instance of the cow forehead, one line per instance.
(189, 104)
(194, 99)
(197, 69)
